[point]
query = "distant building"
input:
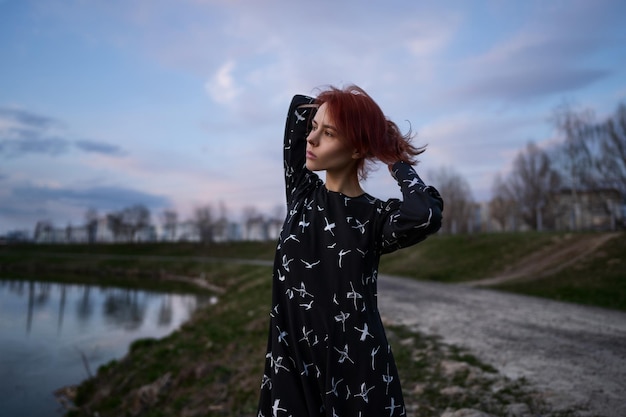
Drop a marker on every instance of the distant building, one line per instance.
(601, 209)
(103, 233)
(581, 210)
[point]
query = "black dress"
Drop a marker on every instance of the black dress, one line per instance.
(327, 350)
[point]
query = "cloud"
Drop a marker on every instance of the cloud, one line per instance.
(26, 118)
(222, 86)
(102, 197)
(26, 133)
(21, 206)
(533, 58)
(98, 147)
(530, 70)
(538, 82)
(33, 145)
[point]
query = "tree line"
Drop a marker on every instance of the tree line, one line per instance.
(543, 187)
(208, 223)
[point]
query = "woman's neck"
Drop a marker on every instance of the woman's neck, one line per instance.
(345, 184)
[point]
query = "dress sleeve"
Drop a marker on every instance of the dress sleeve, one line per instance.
(301, 111)
(418, 215)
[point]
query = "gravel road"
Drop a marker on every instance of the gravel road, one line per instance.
(575, 355)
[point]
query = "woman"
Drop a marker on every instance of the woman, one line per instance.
(327, 350)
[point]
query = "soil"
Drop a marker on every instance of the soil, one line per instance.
(574, 355)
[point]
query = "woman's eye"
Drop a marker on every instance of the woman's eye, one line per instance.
(328, 133)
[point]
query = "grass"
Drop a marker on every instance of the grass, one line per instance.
(462, 257)
(597, 280)
(214, 361)
(212, 365)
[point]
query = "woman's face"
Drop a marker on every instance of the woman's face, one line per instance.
(326, 148)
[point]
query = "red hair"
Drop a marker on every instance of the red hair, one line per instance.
(363, 124)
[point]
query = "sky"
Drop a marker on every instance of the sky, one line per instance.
(180, 104)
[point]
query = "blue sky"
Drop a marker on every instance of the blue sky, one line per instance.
(178, 104)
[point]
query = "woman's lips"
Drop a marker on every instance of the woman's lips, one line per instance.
(310, 155)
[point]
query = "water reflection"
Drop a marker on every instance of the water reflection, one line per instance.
(53, 335)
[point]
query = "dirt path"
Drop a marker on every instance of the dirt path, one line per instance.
(575, 355)
(560, 254)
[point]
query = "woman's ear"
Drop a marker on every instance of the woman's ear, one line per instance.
(356, 154)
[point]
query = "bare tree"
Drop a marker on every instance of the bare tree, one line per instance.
(457, 194)
(203, 220)
(251, 218)
(43, 228)
(614, 148)
(612, 162)
(115, 224)
(574, 158)
(220, 229)
(91, 224)
(502, 205)
(533, 183)
(170, 222)
(135, 218)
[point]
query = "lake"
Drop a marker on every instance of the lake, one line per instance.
(53, 335)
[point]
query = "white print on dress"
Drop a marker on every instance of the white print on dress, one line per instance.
(266, 382)
(427, 222)
(282, 335)
(291, 237)
(342, 318)
(364, 332)
(343, 355)
(277, 363)
(299, 117)
(373, 355)
(392, 406)
(343, 253)
(329, 227)
(334, 384)
(309, 265)
(412, 182)
(360, 226)
(354, 295)
(306, 368)
(302, 291)
(276, 408)
(364, 392)
(387, 379)
(303, 223)
(286, 262)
